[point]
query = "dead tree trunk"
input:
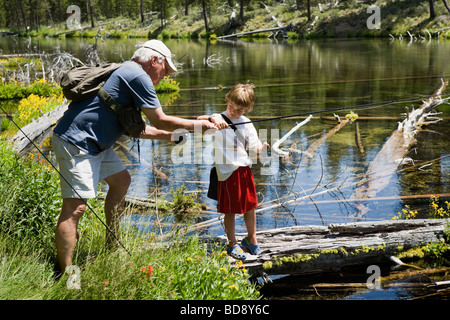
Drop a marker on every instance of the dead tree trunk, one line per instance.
(396, 148)
(313, 147)
(36, 129)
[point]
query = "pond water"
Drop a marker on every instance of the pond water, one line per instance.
(294, 77)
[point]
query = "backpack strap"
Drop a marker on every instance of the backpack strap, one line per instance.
(238, 133)
(230, 123)
(111, 104)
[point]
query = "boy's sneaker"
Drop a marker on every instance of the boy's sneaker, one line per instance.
(236, 252)
(254, 249)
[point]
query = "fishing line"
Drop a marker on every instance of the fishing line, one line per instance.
(360, 106)
(64, 178)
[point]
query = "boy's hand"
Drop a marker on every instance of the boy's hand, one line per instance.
(264, 147)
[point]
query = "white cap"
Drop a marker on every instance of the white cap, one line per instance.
(161, 48)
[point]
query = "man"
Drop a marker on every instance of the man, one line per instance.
(84, 136)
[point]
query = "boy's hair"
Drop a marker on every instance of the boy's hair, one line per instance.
(242, 96)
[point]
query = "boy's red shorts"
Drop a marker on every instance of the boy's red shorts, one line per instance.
(237, 194)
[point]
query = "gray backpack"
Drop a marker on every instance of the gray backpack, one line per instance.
(81, 82)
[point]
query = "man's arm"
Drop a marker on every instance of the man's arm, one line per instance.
(156, 134)
(162, 121)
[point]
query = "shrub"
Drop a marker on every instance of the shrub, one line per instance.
(34, 106)
(167, 85)
(30, 196)
(19, 90)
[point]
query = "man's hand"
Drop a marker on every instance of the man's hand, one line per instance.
(206, 125)
(219, 121)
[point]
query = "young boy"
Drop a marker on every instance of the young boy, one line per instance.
(236, 188)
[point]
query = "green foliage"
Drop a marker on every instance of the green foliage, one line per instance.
(184, 206)
(182, 268)
(406, 214)
(172, 19)
(436, 250)
(436, 211)
(167, 85)
(18, 90)
(30, 197)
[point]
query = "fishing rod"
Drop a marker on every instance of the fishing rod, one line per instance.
(9, 117)
(360, 106)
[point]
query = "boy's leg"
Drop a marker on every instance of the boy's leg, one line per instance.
(250, 223)
(229, 221)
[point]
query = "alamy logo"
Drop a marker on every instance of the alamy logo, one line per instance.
(73, 282)
(373, 281)
(374, 21)
(74, 20)
(198, 148)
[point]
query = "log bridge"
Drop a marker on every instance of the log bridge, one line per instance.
(301, 250)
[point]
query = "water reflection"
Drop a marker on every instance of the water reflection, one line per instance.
(290, 78)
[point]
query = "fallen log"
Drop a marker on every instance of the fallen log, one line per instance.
(36, 129)
(313, 147)
(395, 150)
(236, 35)
(312, 249)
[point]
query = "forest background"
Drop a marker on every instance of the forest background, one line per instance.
(203, 18)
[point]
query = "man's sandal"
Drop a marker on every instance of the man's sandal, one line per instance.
(236, 252)
(254, 249)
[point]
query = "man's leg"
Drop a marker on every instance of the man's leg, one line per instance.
(115, 202)
(66, 230)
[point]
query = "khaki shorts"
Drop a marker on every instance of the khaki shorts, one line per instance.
(82, 170)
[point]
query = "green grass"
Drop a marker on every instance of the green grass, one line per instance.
(181, 268)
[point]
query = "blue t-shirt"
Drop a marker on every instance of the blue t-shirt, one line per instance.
(89, 124)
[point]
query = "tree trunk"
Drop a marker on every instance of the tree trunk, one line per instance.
(90, 9)
(308, 7)
(432, 11)
(23, 14)
(60, 18)
(395, 150)
(142, 12)
(162, 8)
(186, 7)
(446, 5)
(36, 9)
(205, 15)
